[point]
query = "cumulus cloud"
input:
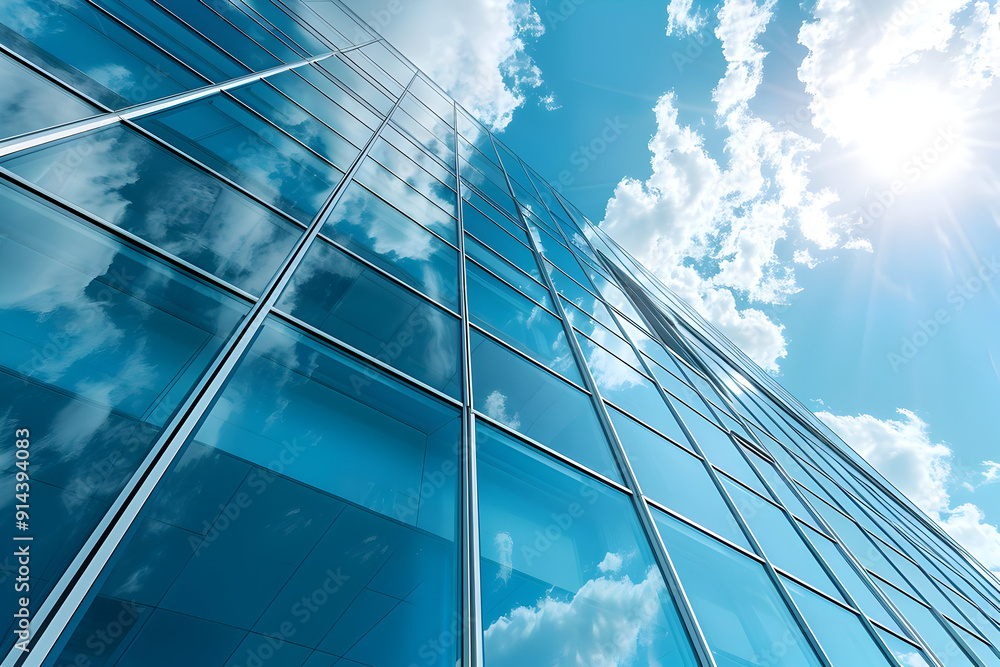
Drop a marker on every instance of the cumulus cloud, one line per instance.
(711, 229)
(476, 50)
(682, 20)
(903, 451)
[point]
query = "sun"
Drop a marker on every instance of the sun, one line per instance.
(907, 131)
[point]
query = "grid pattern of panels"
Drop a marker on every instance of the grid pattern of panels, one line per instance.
(317, 371)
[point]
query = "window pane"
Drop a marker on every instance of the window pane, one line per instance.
(719, 448)
(302, 510)
(518, 321)
(91, 52)
(907, 654)
(239, 145)
(498, 265)
(740, 613)
(98, 346)
(336, 293)
(839, 632)
(778, 539)
(932, 632)
(525, 398)
(676, 479)
(390, 240)
(31, 102)
(130, 181)
(568, 578)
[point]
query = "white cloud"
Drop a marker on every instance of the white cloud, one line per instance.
(804, 257)
(992, 472)
(612, 563)
(474, 49)
(859, 244)
(902, 450)
(496, 408)
(681, 20)
(607, 622)
(711, 230)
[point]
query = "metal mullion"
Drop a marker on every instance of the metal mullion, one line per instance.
(74, 585)
(248, 35)
(507, 346)
(52, 78)
(385, 274)
(287, 41)
(674, 514)
(371, 77)
(552, 453)
(670, 439)
(372, 360)
(681, 602)
(168, 258)
(73, 128)
(146, 39)
(211, 41)
(471, 599)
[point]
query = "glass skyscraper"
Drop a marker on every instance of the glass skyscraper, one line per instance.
(302, 367)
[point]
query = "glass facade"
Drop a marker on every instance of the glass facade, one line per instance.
(302, 366)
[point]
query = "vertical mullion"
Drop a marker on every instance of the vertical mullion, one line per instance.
(472, 617)
(71, 589)
(680, 599)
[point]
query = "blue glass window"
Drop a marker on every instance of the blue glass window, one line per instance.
(352, 302)
(99, 344)
(675, 478)
(525, 398)
(308, 508)
(31, 102)
(241, 46)
(907, 654)
(568, 578)
(501, 267)
(515, 319)
(778, 538)
(130, 181)
(932, 632)
(740, 613)
(378, 232)
(238, 144)
(839, 632)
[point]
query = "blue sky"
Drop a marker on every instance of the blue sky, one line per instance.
(819, 179)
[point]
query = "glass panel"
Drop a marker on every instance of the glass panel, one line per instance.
(223, 33)
(378, 232)
(840, 633)
(856, 587)
(498, 265)
(98, 346)
(978, 646)
(352, 79)
(932, 632)
(296, 121)
(421, 197)
(568, 578)
(336, 293)
(781, 488)
(516, 320)
(907, 654)
(136, 184)
(676, 479)
(719, 449)
(315, 92)
(31, 102)
(302, 511)
(425, 129)
(740, 613)
(444, 173)
(781, 544)
(91, 52)
(333, 22)
(500, 241)
(239, 145)
(525, 398)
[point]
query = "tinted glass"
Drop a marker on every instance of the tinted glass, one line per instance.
(568, 578)
(31, 102)
(304, 515)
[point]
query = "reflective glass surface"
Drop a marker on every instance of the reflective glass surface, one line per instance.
(31, 102)
(525, 398)
(305, 517)
(675, 478)
(230, 139)
(341, 296)
(130, 181)
(99, 344)
(739, 611)
(568, 578)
